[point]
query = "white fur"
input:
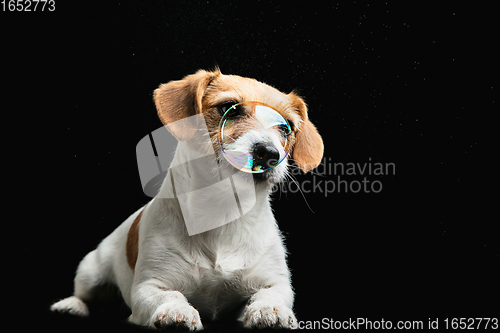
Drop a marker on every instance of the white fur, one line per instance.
(177, 276)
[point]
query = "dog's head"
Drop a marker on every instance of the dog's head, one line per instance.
(212, 94)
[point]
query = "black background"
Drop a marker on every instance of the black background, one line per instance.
(389, 82)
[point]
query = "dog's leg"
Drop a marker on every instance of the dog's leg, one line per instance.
(91, 273)
(155, 306)
(72, 305)
(270, 307)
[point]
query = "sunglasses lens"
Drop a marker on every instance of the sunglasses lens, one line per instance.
(243, 117)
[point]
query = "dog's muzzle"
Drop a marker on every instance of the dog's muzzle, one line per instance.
(262, 156)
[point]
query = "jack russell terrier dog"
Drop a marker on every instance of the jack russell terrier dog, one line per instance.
(167, 275)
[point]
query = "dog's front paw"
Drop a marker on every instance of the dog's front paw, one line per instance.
(180, 316)
(262, 315)
(72, 305)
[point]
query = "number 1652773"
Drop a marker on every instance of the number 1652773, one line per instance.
(28, 5)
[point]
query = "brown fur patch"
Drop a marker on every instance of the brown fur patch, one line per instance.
(132, 247)
(308, 149)
(177, 100)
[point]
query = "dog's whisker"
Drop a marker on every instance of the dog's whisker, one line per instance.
(282, 185)
(231, 138)
(291, 177)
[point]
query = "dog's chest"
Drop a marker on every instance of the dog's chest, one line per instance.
(221, 285)
(222, 270)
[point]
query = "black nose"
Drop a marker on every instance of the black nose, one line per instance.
(265, 154)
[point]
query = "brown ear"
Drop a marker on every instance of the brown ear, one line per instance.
(180, 99)
(307, 151)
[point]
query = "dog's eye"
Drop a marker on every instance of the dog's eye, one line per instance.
(231, 110)
(225, 106)
(284, 129)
